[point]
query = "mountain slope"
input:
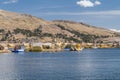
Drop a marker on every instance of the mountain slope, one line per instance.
(84, 28)
(23, 27)
(10, 20)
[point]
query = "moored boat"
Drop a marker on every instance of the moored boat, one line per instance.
(77, 47)
(18, 49)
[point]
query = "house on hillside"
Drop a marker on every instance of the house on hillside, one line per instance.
(36, 44)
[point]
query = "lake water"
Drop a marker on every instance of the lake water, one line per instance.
(90, 64)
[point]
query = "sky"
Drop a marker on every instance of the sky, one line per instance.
(100, 13)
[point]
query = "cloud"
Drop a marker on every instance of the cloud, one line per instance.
(115, 30)
(97, 3)
(110, 12)
(95, 13)
(10, 1)
(88, 3)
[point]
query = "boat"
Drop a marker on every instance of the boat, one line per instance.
(18, 49)
(73, 49)
(77, 47)
(66, 49)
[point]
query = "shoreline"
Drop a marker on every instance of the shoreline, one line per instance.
(49, 51)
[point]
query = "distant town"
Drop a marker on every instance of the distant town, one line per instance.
(53, 46)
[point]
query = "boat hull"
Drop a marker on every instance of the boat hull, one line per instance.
(16, 51)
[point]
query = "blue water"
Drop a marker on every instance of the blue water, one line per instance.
(90, 64)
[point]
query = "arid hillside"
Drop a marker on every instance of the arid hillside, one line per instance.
(23, 27)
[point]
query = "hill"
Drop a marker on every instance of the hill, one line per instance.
(16, 27)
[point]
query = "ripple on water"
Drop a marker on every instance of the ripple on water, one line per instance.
(90, 64)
